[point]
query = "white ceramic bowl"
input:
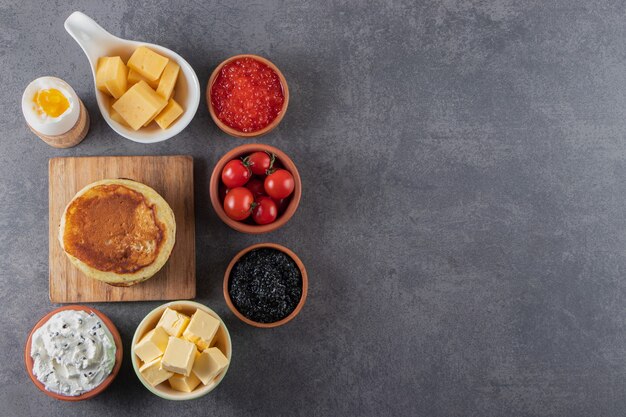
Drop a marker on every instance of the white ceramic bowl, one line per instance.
(97, 42)
(164, 390)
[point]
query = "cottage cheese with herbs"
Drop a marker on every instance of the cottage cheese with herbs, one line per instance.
(73, 352)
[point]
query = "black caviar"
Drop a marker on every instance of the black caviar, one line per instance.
(265, 285)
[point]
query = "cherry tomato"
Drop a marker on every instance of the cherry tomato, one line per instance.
(260, 162)
(235, 174)
(279, 184)
(238, 203)
(282, 204)
(265, 210)
(256, 186)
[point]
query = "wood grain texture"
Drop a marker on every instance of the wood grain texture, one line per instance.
(170, 176)
(71, 138)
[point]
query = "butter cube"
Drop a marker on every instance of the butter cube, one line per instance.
(173, 322)
(152, 345)
(139, 104)
(134, 77)
(209, 364)
(171, 112)
(168, 80)
(117, 117)
(147, 63)
(154, 373)
(184, 383)
(111, 76)
(201, 329)
(179, 356)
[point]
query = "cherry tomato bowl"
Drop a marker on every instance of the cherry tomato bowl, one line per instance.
(219, 192)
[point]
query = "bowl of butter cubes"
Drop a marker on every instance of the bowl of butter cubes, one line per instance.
(181, 350)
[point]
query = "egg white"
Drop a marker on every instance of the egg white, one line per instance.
(41, 122)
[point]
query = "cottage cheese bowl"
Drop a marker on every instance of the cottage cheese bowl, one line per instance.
(73, 353)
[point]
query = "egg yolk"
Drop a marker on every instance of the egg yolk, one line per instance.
(52, 102)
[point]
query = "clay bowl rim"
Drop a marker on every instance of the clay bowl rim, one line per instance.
(214, 184)
(119, 354)
(303, 273)
(179, 396)
(234, 132)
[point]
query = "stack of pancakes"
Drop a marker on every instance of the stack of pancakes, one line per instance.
(118, 231)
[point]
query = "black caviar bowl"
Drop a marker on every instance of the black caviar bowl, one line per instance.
(305, 285)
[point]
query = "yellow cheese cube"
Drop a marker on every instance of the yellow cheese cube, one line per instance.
(139, 104)
(116, 81)
(111, 76)
(117, 117)
(184, 383)
(100, 74)
(168, 80)
(156, 115)
(201, 329)
(134, 77)
(209, 364)
(170, 113)
(179, 356)
(147, 63)
(152, 345)
(173, 322)
(154, 373)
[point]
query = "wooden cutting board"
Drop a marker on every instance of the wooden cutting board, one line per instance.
(170, 176)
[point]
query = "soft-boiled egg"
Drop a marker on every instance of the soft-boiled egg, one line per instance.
(50, 106)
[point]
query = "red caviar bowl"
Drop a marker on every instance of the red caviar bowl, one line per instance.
(215, 182)
(119, 353)
(235, 132)
(303, 274)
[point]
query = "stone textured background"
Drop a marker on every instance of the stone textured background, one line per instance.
(462, 219)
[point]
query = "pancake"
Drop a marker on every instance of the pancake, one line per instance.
(121, 232)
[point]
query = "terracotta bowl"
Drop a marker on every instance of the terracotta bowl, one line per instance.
(234, 132)
(214, 188)
(90, 394)
(223, 343)
(305, 285)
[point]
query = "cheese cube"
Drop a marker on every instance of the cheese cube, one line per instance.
(100, 74)
(117, 117)
(184, 383)
(201, 329)
(171, 112)
(173, 322)
(111, 76)
(154, 373)
(209, 364)
(168, 80)
(147, 63)
(152, 345)
(139, 104)
(179, 356)
(134, 77)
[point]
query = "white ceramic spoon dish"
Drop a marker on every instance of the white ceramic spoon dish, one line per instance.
(97, 42)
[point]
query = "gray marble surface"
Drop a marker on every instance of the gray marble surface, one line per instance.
(462, 219)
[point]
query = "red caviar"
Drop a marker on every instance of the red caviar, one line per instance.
(247, 95)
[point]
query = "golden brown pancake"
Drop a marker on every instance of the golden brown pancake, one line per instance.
(118, 231)
(112, 228)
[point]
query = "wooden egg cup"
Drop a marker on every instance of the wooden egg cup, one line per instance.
(72, 137)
